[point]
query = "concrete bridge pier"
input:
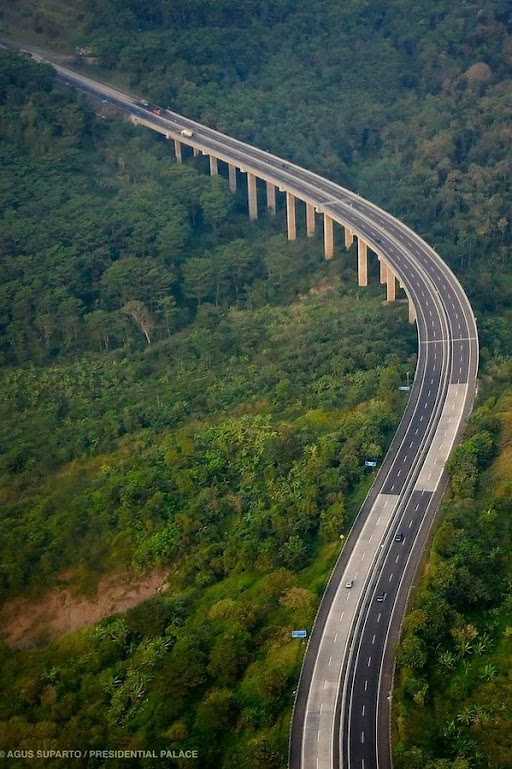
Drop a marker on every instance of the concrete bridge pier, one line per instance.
(412, 310)
(390, 284)
(232, 177)
(328, 237)
(177, 151)
(362, 262)
(310, 220)
(196, 152)
(383, 271)
(410, 305)
(271, 198)
(349, 237)
(214, 166)
(252, 194)
(291, 216)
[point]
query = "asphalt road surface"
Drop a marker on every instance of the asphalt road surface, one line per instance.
(342, 708)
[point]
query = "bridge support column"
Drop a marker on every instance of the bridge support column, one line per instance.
(253, 196)
(412, 309)
(383, 271)
(271, 198)
(310, 220)
(177, 151)
(214, 166)
(362, 262)
(196, 152)
(232, 177)
(349, 237)
(328, 237)
(290, 215)
(391, 284)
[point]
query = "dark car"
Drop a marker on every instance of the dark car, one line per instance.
(381, 596)
(399, 537)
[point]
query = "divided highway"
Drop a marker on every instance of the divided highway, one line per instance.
(342, 710)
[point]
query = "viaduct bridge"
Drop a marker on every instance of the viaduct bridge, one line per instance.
(293, 192)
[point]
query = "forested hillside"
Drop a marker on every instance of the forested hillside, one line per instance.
(410, 103)
(104, 247)
(183, 392)
(455, 691)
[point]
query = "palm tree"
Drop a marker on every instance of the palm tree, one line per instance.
(447, 660)
(488, 672)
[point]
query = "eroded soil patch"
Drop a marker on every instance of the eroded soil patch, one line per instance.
(27, 621)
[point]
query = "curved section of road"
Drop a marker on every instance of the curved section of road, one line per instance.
(341, 716)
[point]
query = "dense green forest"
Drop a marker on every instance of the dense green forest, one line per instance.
(454, 694)
(409, 102)
(218, 432)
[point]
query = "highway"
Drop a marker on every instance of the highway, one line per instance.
(342, 709)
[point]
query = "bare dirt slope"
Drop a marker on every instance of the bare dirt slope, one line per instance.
(28, 621)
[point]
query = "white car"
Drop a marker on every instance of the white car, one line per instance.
(186, 132)
(349, 583)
